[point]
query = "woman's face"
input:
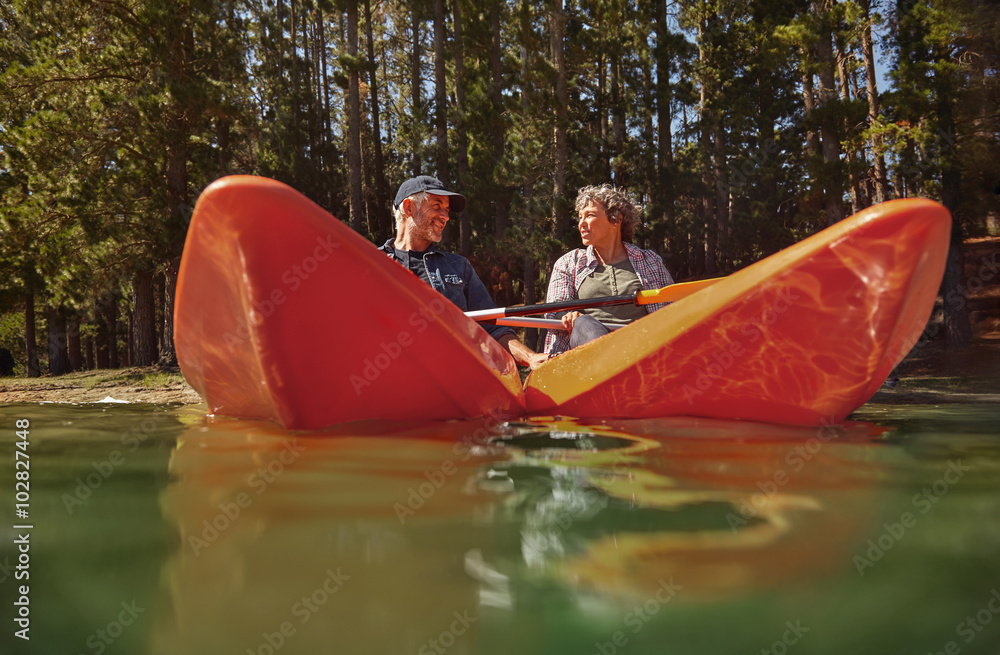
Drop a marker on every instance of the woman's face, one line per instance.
(595, 228)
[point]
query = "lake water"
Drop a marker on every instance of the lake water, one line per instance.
(158, 530)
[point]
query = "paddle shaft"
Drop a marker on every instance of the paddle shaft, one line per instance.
(544, 323)
(670, 293)
(560, 306)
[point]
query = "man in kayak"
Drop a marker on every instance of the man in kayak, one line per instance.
(608, 266)
(421, 208)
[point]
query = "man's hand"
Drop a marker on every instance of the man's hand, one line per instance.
(521, 353)
(536, 360)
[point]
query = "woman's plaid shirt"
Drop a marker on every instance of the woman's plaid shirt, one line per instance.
(572, 268)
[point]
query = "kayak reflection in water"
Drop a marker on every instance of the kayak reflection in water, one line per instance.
(422, 207)
(608, 266)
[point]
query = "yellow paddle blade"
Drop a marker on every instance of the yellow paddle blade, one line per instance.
(674, 292)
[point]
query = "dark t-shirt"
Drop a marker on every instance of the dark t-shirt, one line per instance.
(413, 260)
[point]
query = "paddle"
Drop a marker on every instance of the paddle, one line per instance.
(543, 323)
(670, 293)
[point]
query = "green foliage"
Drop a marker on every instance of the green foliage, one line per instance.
(12, 334)
(942, 119)
(113, 117)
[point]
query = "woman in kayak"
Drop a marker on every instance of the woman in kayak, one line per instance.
(608, 266)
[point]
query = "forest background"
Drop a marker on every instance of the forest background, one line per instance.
(742, 126)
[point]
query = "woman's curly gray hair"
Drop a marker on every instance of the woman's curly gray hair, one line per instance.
(618, 204)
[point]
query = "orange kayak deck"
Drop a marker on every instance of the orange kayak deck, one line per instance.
(285, 314)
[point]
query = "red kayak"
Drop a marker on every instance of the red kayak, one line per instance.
(283, 313)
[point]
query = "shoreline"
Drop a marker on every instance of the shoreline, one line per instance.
(139, 384)
(929, 375)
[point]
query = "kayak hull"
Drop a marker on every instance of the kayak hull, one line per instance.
(283, 313)
(803, 337)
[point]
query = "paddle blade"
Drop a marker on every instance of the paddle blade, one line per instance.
(674, 292)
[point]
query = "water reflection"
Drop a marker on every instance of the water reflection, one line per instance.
(343, 541)
(396, 537)
(609, 512)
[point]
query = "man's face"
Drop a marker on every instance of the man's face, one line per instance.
(430, 218)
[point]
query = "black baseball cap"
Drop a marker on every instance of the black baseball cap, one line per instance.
(430, 185)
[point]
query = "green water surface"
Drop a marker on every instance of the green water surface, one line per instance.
(155, 529)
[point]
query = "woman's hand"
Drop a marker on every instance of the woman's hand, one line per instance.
(568, 319)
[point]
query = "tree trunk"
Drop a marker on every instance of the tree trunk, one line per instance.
(664, 93)
(354, 120)
(179, 121)
(618, 169)
(130, 331)
(648, 156)
(168, 353)
(88, 352)
(465, 231)
(158, 303)
(809, 105)
(295, 69)
(58, 356)
(440, 95)
(829, 137)
(327, 162)
(709, 221)
(102, 347)
(416, 116)
(312, 19)
(721, 199)
(279, 39)
(557, 20)
(73, 349)
(499, 132)
(364, 147)
(179, 202)
(601, 101)
(958, 329)
(443, 170)
(857, 194)
(144, 320)
(30, 338)
(881, 181)
(381, 197)
(102, 356)
(223, 131)
(112, 319)
(765, 189)
(528, 186)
